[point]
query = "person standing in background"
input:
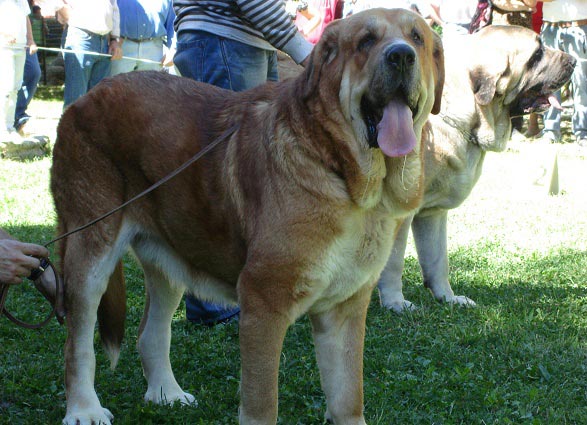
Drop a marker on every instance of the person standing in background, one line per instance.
(30, 80)
(15, 38)
(312, 17)
(564, 27)
(146, 32)
(92, 27)
(513, 12)
(232, 44)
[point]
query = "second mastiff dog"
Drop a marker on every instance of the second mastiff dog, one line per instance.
(290, 214)
(498, 73)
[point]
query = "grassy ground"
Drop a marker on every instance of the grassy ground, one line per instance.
(519, 357)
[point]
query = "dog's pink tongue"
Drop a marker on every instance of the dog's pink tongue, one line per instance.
(395, 132)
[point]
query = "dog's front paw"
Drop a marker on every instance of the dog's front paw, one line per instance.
(354, 421)
(170, 396)
(400, 306)
(461, 300)
(97, 416)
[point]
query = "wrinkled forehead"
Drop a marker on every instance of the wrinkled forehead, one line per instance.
(385, 23)
(516, 42)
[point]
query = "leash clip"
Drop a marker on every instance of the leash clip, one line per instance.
(36, 273)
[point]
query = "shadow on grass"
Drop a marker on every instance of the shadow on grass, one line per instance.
(519, 357)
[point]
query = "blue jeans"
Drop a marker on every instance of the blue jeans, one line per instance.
(571, 40)
(30, 81)
(225, 63)
(232, 65)
(83, 71)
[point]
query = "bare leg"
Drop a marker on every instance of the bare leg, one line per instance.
(533, 128)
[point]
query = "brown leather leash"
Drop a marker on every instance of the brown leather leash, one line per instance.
(59, 302)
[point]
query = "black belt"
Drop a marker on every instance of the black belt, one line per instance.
(139, 40)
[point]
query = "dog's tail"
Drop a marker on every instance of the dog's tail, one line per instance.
(112, 314)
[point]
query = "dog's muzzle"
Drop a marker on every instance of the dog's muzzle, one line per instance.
(391, 102)
(401, 57)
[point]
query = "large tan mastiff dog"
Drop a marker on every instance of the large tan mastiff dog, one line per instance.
(291, 214)
(496, 74)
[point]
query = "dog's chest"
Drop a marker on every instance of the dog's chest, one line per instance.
(452, 174)
(354, 259)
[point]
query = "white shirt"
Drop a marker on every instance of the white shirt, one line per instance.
(13, 16)
(564, 10)
(97, 16)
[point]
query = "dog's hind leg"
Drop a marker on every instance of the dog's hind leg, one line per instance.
(155, 337)
(339, 338)
(85, 283)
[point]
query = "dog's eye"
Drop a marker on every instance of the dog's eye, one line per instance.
(366, 42)
(417, 37)
(535, 58)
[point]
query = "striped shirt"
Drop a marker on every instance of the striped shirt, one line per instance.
(260, 23)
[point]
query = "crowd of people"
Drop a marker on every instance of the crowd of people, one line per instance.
(232, 45)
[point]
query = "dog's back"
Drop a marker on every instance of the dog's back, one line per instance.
(120, 136)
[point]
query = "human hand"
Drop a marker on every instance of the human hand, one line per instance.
(33, 48)
(167, 59)
(17, 259)
(115, 49)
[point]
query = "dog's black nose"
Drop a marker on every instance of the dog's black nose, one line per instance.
(400, 56)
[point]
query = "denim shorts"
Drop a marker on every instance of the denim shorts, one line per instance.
(222, 62)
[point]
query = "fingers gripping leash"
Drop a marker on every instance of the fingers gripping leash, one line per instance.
(53, 292)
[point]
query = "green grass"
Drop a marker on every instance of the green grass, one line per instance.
(519, 357)
(49, 93)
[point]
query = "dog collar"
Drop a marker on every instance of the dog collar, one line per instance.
(469, 136)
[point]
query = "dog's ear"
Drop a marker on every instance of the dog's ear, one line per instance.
(483, 84)
(323, 53)
(438, 54)
(485, 70)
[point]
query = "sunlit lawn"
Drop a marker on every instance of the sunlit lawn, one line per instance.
(519, 357)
